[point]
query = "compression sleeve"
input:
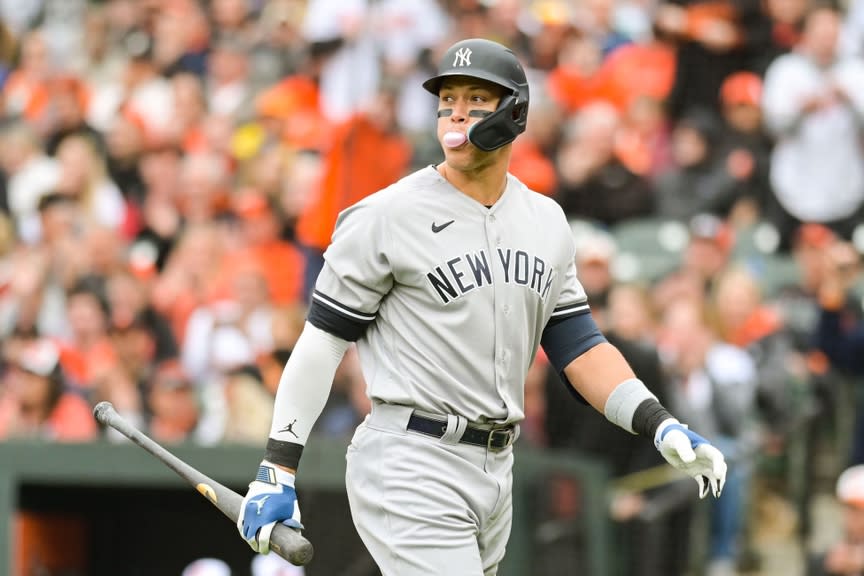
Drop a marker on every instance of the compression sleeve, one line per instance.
(303, 390)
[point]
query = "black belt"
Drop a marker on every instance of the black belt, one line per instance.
(494, 439)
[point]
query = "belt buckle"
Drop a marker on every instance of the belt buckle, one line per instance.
(509, 433)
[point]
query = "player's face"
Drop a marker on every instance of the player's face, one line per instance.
(462, 102)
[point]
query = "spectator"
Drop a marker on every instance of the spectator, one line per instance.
(713, 40)
(249, 406)
(813, 102)
(26, 91)
(83, 175)
(799, 301)
(145, 95)
(598, 17)
(31, 175)
(70, 98)
(745, 321)
(531, 161)
(698, 181)
(230, 331)
(786, 18)
(130, 306)
(638, 70)
(172, 404)
(644, 140)
(593, 183)
(222, 335)
(36, 297)
(575, 80)
(745, 150)
(280, 261)
(345, 51)
(706, 256)
(34, 401)
(715, 384)
(840, 332)
(193, 268)
(368, 152)
(203, 191)
(228, 89)
(845, 557)
(88, 349)
(99, 64)
(126, 143)
(180, 38)
(190, 112)
(157, 214)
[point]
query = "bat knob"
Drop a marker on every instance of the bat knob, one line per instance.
(102, 410)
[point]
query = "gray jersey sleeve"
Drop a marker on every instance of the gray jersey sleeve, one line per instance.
(356, 273)
(572, 299)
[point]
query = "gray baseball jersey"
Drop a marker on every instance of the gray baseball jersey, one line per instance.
(448, 298)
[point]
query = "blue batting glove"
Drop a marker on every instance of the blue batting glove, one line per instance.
(270, 499)
(689, 452)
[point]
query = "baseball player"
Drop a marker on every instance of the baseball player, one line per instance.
(448, 281)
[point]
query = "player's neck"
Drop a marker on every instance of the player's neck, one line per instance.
(485, 185)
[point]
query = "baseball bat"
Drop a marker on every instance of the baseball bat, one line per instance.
(286, 542)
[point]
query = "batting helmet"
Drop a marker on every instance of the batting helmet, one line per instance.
(487, 60)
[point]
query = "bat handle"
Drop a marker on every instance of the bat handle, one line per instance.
(291, 545)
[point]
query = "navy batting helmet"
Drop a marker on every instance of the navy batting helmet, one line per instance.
(487, 60)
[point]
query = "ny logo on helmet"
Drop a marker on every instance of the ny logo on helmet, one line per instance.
(463, 57)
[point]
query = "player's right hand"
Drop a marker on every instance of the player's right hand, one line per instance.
(270, 499)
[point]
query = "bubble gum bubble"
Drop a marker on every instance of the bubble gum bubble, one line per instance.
(454, 139)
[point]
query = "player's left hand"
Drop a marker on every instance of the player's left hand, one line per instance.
(270, 499)
(693, 455)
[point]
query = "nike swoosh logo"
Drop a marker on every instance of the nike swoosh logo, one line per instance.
(436, 228)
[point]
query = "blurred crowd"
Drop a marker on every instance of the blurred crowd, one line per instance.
(171, 171)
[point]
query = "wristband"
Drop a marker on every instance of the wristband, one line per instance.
(648, 417)
(624, 401)
(283, 453)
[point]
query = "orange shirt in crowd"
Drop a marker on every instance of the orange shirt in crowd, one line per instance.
(363, 159)
(761, 323)
(70, 421)
(571, 89)
(635, 70)
(631, 71)
(532, 167)
(81, 365)
(26, 96)
(281, 263)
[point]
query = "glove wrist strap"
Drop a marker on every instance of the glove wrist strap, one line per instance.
(271, 474)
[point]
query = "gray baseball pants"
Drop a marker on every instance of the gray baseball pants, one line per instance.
(428, 506)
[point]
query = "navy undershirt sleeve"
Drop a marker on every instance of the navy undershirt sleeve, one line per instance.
(566, 339)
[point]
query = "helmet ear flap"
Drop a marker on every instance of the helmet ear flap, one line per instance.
(501, 127)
